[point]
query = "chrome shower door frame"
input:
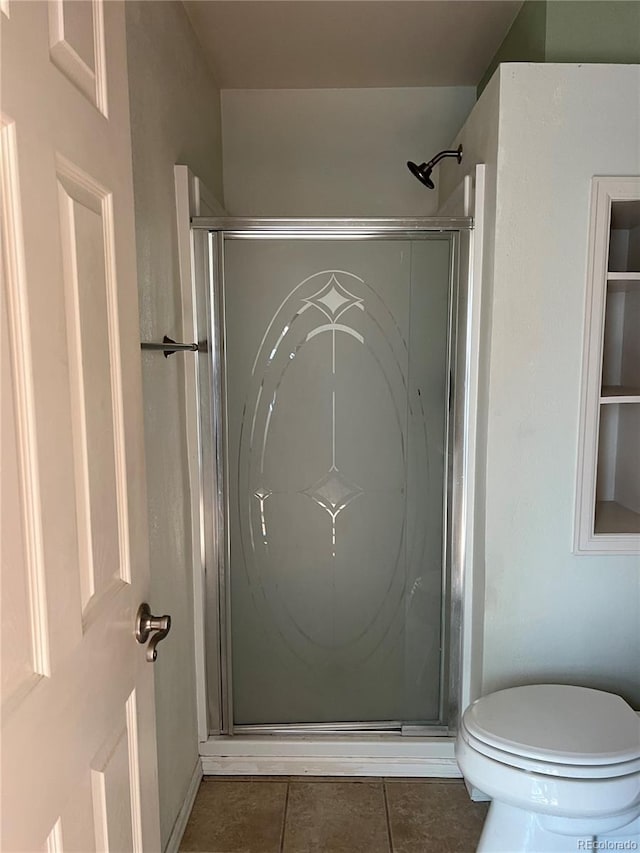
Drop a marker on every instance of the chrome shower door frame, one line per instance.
(208, 241)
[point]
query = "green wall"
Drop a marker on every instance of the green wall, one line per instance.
(593, 31)
(571, 31)
(525, 41)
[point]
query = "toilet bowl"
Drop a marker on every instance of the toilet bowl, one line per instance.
(561, 764)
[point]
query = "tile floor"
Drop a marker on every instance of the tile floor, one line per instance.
(279, 814)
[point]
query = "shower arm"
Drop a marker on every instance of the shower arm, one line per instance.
(442, 154)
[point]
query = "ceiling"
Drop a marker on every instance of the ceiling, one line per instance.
(308, 44)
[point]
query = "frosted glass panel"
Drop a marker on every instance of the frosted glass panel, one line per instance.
(337, 417)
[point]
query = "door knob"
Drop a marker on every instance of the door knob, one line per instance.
(146, 625)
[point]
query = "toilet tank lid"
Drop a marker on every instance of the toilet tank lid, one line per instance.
(568, 725)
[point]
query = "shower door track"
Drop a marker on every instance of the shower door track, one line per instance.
(394, 727)
(327, 229)
(208, 236)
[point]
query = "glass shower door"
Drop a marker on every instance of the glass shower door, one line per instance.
(337, 386)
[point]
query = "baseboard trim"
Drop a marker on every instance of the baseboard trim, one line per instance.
(173, 844)
(256, 756)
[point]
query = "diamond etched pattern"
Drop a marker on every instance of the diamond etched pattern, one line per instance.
(334, 298)
(333, 492)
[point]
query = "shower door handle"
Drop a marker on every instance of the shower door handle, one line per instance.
(146, 625)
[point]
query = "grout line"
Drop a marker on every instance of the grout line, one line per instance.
(284, 816)
(386, 811)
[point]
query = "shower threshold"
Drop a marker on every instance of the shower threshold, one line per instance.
(372, 753)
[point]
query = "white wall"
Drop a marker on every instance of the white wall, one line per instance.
(335, 152)
(549, 615)
(175, 118)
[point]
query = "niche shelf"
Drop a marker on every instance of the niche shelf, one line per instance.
(608, 487)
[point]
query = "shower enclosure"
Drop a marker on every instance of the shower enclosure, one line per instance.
(331, 433)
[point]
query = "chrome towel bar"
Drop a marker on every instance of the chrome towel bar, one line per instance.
(169, 347)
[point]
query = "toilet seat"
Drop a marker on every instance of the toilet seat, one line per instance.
(550, 768)
(556, 730)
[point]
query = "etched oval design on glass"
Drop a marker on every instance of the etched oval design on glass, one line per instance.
(322, 472)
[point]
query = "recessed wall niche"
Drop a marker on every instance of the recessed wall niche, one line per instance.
(608, 488)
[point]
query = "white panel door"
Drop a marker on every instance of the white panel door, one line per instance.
(79, 769)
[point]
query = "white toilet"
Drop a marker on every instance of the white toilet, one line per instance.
(561, 764)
